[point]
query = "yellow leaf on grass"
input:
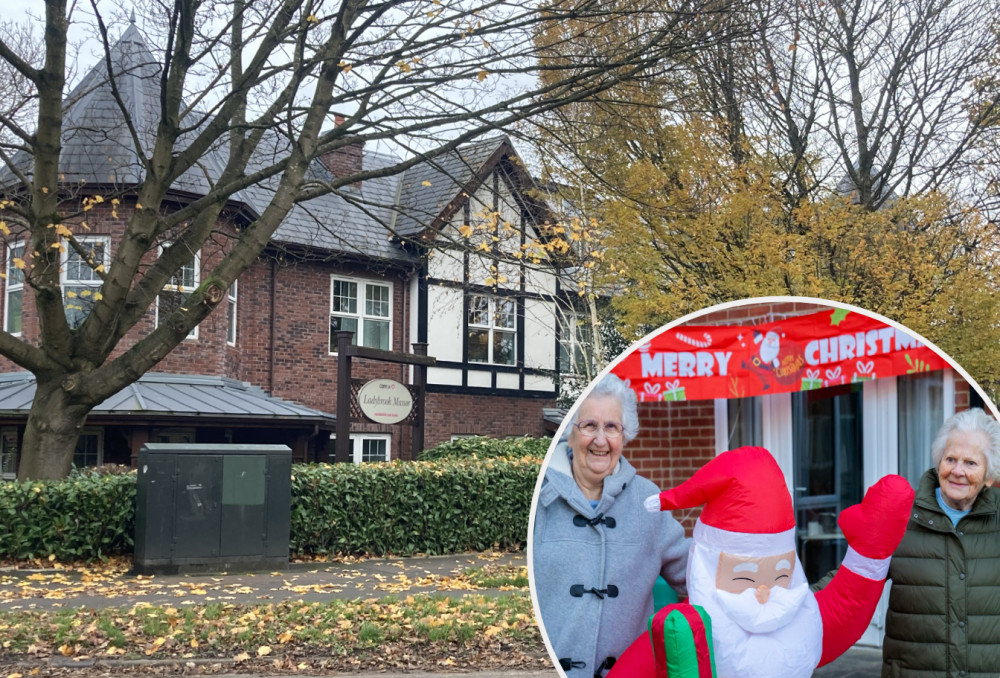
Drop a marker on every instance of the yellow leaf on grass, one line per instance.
(241, 657)
(493, 630)
(65, 650)
(263, 651)
(285, 637)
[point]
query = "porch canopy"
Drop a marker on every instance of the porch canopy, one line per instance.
(159, 395)
(829, 348)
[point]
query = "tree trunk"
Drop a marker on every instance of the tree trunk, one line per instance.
(54, 424)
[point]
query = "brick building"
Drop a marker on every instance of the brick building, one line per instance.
(432, 256)
(831, 442)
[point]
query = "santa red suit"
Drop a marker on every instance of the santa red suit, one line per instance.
(745, 535)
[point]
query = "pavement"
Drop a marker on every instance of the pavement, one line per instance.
(369, 578)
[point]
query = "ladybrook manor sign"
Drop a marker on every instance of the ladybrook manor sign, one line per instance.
(385, 401)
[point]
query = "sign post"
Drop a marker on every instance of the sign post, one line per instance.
(388, 401)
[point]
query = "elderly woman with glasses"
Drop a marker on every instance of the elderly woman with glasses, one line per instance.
(596, 552)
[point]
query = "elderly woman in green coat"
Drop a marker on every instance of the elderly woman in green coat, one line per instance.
(944, 605)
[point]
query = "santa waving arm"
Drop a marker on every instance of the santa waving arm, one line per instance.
(873, 530)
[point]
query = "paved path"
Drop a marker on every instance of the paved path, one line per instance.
(373, 578)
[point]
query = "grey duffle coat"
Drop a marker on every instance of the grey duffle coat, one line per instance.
(944, 605)
(594, 569)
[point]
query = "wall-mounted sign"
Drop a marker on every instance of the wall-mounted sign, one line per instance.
(385, 401)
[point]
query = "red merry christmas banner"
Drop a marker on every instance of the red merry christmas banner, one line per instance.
(823, 349)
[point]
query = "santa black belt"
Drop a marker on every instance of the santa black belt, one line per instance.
(577, 591)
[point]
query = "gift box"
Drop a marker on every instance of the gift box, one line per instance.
(862, 377)
(681, 635)
(811, 380)
(650, 393)
(675, 391)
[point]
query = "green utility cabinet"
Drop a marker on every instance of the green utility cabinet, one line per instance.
(203, 508)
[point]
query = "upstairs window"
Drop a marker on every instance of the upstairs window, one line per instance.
(231, 318)
(178, 289)
(363, 307)
(81, 280)
(492, 330)
(15, 288)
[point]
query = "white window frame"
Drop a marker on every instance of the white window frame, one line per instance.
(360, 314)
(173, 286)
(357, 446)
(82, 288)
(569, 337)
(10, 287)
(232, 297)
(491, 326)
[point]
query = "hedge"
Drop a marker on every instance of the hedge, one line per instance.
(482, 447)
(412, 507)
(85, 517)
(401, 508)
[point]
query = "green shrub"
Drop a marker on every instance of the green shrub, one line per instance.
(481, 447)
(412, 507)
(85, 517)
(446, 506)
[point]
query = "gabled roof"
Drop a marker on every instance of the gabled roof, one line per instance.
(160, 395)
(433, 190)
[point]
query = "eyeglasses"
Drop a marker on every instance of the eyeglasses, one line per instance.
(590, 428)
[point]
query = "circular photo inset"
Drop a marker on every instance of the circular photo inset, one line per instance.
(732, 495)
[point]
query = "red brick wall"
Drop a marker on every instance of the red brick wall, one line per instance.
(299, 366)
(204, 355)
(451, 414)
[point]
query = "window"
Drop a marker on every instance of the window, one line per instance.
(492, 330)
(15, 289)
(80, 278)
(89, 450)
(744, 422)
(364, 308)
(920, 399)
(178, 289)
(365, 447)
(231, 326)
(8, 453)
(576, 345)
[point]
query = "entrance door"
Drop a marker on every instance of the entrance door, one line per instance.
(827, 449)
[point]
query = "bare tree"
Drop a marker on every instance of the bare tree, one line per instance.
(246, 92)
(875, 95)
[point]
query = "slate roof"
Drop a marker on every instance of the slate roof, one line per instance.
(428, 188)
(163, 395)
(97, 148)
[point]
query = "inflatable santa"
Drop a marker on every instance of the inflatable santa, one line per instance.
(744, 572)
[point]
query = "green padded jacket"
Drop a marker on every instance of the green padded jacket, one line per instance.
(944, 605)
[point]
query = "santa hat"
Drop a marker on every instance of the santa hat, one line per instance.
(748, 510)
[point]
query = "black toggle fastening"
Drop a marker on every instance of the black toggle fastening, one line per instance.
(566, 663)
(605, 666)
(581, 521)
(577, 591)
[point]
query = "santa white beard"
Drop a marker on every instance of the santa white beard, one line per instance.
(791, 650)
